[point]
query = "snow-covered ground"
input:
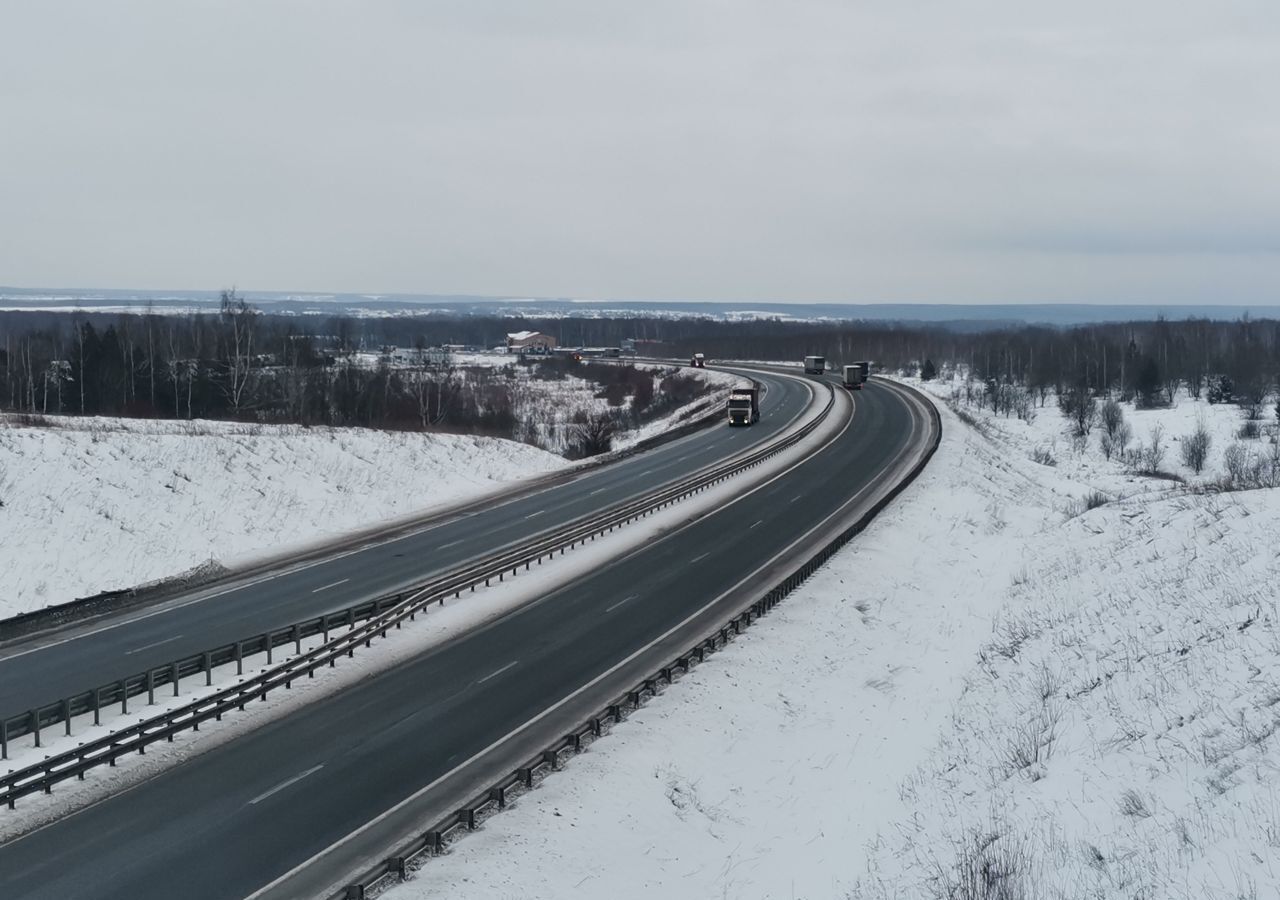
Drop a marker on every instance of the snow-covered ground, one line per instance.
(994, 692)
(96, 504)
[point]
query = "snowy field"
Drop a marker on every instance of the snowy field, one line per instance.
(995, 692)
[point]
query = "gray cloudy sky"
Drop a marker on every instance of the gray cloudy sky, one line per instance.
(906, 150)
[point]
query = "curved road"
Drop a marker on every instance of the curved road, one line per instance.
(232, 820)
(44, 670)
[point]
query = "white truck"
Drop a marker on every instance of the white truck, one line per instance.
(855, 375)
(744, 406)
(815, 365)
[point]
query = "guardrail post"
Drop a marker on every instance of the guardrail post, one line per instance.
(435, 842)
(526, 776)
(151, 687)
(124, 697)
(239, 658)
(399, 866)
(35, 725)
(297, 638)
(208, 669)
(174, 675)
(596, 729)
(499, 795)
(551, 758)
(267, 638)
(324, 625)
(4, 738)
(468, 817)
(97, 706)
(66, 715)
(355, 892)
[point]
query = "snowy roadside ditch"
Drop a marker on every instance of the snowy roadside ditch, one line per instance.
(439, 624)
(994, 691)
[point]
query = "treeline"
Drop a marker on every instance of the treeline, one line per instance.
(244, 365)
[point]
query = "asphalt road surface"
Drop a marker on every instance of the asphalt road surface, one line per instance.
(44, 670)
(233, 819)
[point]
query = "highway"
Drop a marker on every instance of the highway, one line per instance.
(228, 822)
(47, 668)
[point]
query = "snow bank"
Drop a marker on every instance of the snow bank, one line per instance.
(98, 504)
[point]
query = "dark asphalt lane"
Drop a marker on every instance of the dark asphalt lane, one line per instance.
(229, 821)
(106, 651)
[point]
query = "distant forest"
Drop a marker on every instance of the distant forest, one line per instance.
(242, 364)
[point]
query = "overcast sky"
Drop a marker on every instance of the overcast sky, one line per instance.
(906, 150)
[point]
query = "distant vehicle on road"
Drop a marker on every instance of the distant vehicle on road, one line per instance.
(698, 361)
(856, 374)
(744, 406)
(815, 365)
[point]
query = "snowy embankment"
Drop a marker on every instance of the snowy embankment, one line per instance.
(994, 692)
(97, 504)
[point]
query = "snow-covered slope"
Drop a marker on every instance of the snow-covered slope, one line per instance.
(990, 684)
(98, 504)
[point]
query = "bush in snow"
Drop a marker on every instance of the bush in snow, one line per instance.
(1115, 444)
(1249, 431)
(1221, 389)
(1195, 447)
(1246, 470)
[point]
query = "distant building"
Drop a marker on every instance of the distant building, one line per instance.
(530, 342)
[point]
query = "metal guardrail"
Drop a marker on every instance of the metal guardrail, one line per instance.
(379, 617)
(433, 840)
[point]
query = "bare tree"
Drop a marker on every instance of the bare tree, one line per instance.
(594, 436)
(1080, 408)
(1153, 455)
(1112, 417)
(1195, 447)
(239, 320)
